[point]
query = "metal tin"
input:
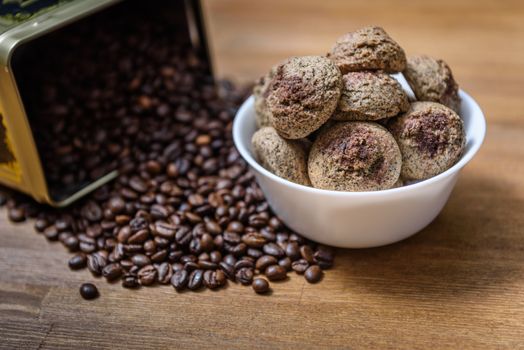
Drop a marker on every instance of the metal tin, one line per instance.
(20, 164)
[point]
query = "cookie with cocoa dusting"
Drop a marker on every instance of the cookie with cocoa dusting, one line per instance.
(260, 91)
(431, 80)
(369, 48)
(284, 158)
(303, 94)
(431, 138)
(370, 96)
(354, 156)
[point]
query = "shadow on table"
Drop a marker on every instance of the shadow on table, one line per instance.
(475, 244)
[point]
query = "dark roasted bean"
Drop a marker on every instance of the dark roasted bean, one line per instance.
(195, 280)
(16, 214)
(165, 271)
(78, 261)
(313, 274)
(285, 263)
(147, 275)
(140, 260)
(254, 240)
(214, 279)
(293, 250)
(112, 272)
(300, 266)
(244, 275)
(273, 249)
(130, 281)
(260, 285)
(275, 273)
(265, 261)
(180, 279)
(88, 291)
(228, 269)
(307, 254)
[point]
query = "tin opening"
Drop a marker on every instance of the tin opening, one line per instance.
(74, 81)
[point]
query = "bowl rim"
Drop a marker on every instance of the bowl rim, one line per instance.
(478, 121)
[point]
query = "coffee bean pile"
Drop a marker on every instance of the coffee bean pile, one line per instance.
(184, 210)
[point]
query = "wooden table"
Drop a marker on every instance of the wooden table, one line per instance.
(457, 284)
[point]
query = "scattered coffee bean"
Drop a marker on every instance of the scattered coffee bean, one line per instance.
(244, 275)
(313, 274)
(260, 285)
(180, 279)
(184, 208)
(88, 291)
(77, 262)
(300, 266)
(275, 273)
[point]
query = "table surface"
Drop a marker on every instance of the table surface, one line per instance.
(459, 283)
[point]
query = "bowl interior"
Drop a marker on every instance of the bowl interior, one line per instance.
(474, 123)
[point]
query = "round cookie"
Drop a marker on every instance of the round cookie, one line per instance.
(431, 80)
(369, 48)
(370, 96)
(260, 92)
(431, 138)
(303, 94)
(284, 158)
(354, 156)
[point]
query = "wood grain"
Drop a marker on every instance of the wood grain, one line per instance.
(457, 284)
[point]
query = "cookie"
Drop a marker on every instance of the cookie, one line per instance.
(260, 93)
(431, 138)
(284, 158)
(370, 96)
(431, 80)
(354, 156)
(303, 94)
(369, 48)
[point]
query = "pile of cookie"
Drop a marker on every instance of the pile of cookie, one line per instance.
(341, 122)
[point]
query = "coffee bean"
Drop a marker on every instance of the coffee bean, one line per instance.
(275, 273)
(285, 263)
(254, 240)
(244, 275)
(147, 275)
(112, 272)
(91, 211)
(89, 291)
(324, 257)
(77, 262)
(117, 205)
(195, 280)
(138, 237)
(274, 250)
(140, 260)
(300, 266)
(180, 279)
(265, 261)
(165, 272)
(307, 254)
(214, 279)
(228, 270)
(96, 262)
(51, 233)
(40, 225)
(16, 214)
(130, 281)
(293, 251)
(165, 230)
(260, 285)
(313, 274)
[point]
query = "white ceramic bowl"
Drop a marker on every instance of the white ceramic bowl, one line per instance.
(358, 219)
